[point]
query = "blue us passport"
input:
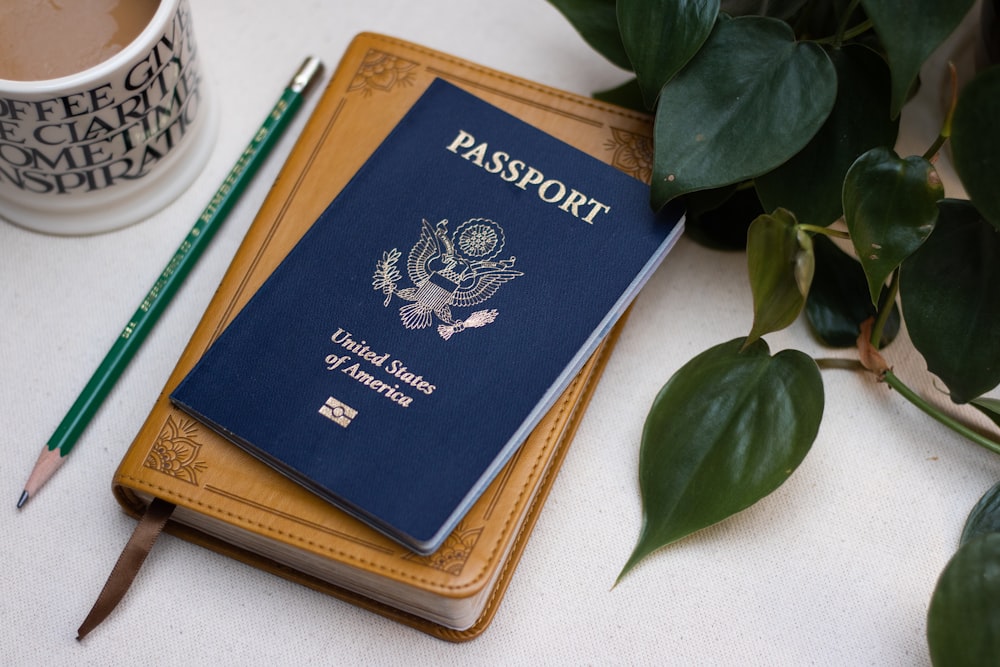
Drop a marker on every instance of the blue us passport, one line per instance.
(407, 345)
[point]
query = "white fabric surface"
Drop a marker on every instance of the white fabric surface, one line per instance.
(834, 568)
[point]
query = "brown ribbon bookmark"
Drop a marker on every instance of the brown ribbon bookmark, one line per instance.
(138, 547)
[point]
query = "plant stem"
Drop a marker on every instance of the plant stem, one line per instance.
(890, 379)
(815, 229)
(885, 309)
(935, 147)
(843, 34)
(945, 133)
(860, 28)
(836, 41)
(834, 363)
(893, 381)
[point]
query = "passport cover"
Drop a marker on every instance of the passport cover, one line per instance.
(230, 502)
(405, 348)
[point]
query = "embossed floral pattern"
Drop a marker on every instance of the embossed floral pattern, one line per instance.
(175, 451)
(633, 153)
(453, 554)
(381, 71)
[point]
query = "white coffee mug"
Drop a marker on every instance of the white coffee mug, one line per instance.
(110, 145)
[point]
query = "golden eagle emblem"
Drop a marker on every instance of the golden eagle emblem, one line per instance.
(459, 270)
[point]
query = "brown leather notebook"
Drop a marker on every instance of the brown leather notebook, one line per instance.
(230, 502)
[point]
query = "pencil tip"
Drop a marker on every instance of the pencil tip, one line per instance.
(23, 499)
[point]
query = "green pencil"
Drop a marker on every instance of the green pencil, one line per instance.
(75, 422)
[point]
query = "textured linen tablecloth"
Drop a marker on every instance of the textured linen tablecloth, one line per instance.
(834, 568)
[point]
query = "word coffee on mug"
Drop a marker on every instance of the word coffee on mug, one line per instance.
(104, 117)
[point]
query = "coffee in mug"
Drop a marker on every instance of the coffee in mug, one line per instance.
(47, 40)
(104, 112)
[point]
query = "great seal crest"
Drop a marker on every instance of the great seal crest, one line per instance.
(457, 270)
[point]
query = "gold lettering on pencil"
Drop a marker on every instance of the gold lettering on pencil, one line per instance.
(279, 109)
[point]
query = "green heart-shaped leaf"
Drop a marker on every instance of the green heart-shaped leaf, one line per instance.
(749, 100)
(910, 30)
(963, 622)
(661, 36)
(597, 23)
(780, 262)
(783, 10)
(726, 430)
(811, 183)
(950, 291)
(890, 206)
(984, 517)
(838, 300)
(975, 142)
